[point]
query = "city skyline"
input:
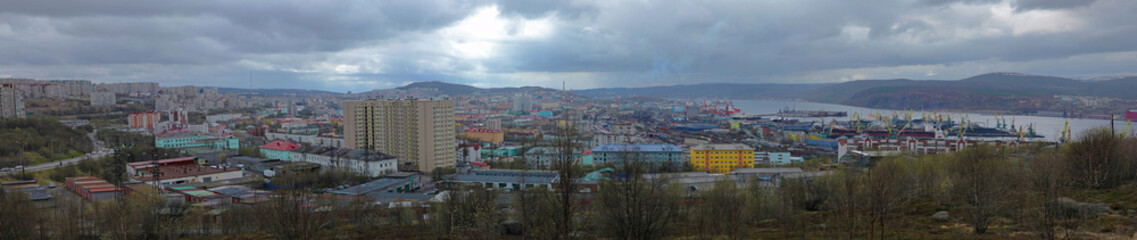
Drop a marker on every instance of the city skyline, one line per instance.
(363, 46)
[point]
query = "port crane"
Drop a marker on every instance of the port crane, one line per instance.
(727, 110)
(1125, 130)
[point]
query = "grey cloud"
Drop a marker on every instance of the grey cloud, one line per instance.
(620, 43)
(946, 2)
(214, 31)
(1024, 5)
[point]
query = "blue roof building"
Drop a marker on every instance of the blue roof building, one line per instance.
(654, 156)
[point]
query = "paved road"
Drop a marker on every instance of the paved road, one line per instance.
(98, 146)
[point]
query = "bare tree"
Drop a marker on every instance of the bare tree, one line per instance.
(982, 182)
(67, 219)
(569, 170)
(1047, 179)
(1095, 159)
(295, 213)
(884, 192)
(717, 214)
(19, 216)
(633, 207)
(848, 203)
(471, 214)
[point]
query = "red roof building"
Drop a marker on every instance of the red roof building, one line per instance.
(281, 146)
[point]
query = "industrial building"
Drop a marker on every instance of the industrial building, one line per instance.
(189, 139)
(506, 179)
(370, 163)
(38, 195)
(93, 188)
(402, 183)
(419, 132)
(179, 171)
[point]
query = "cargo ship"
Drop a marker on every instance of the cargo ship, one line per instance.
(810, 113)
(839, 132)
(986, 132)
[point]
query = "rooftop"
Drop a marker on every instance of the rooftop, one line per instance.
(183, 134)
(481, 130)
(179, 171)
(637, 148)
(765, 170)
(380, 185)
(240, 192)
(204, 150)
(161, 162)
(281, 146)
(345, 153)
(539, 179)
(723, 147)
(393, 197)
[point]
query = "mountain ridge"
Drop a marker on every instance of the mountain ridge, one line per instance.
(1001, 91)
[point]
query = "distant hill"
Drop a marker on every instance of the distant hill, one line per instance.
(451, 89)
(273, 92)
(454, 89)
(709, 90)
(993, 91)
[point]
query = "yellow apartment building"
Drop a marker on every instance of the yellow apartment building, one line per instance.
(721, 158)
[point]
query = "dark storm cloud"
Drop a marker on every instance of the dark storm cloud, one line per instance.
(674, 41)
(358, 45)
(200, 32)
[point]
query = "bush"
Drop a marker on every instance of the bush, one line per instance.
(62, 173)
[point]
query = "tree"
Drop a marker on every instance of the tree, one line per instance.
(470, 213)
(1095, 160)
(249, 152)
(633, 207)
(19, 216)
(295, 213)
(884, 192)
(1047, 179)
(569, 171)
(982, 180)
(717, 214)
(848, 202)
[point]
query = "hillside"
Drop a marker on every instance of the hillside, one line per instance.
(273, 92)
(993, 91)
(454, 89)
(712, 90)
(1015, 92)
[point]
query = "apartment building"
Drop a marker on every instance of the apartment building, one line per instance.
(105, 99)
(420, 132)
(721, 158)
(11, 102)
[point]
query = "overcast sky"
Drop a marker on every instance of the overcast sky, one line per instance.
(364, 45)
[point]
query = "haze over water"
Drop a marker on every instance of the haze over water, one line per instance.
(1049, 127)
